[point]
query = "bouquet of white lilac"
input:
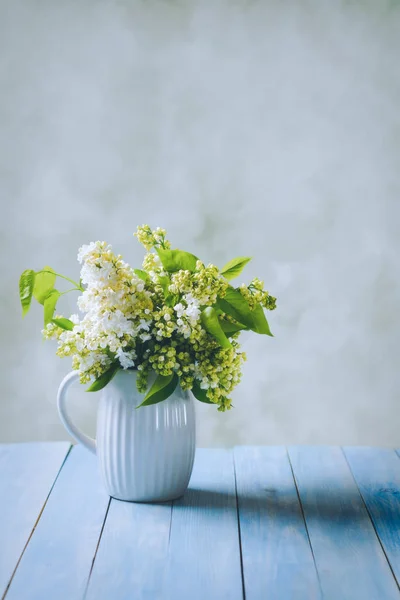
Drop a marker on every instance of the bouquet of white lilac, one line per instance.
(175, 317)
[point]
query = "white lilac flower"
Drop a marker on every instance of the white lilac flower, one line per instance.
(85, 250)
(179, 309)
(145, 337)
(193, 313)
(145, 325)
(125, 359)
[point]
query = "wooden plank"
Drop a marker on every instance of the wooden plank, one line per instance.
(276, 554)
(57, 561)
(142, 554)
(27, 472)
(350, 561)
(204, 551)
(132, 554)
(377, 473)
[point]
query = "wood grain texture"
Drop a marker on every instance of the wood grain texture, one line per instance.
(349, 558)
(57, 561)
(377, 473)
(27, 473)
(276, 554)
(132, 554)
(204, 552)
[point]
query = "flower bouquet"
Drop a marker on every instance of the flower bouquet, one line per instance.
(176, 317)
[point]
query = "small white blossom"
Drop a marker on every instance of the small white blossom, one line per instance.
(179, 309)
(145, 337)
(85, 250)
(145, 325)
(125, 359)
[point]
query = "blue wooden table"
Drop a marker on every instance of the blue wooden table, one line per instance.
(256, 523)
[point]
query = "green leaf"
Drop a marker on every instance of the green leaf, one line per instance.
(260, 322)
(26, 285)
(175, 260)
(142, 274)
(200, 394)
(230, 328)
(210, 321)
(164, 282)
(235, 305)
(44, 282)
(63, 323)
(105, 378)
(49, 305)
(234, 267)
(161, 389)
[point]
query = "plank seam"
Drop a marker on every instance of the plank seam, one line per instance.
(170, 524)
(370, 516)
(304, 519)
(239, 530)
(36, 523)
(97, 547)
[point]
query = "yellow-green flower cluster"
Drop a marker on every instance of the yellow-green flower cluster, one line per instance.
(220, 372)
(164, 323)
(255, 294)
(205, 284)
(151, 263)
(152, 239)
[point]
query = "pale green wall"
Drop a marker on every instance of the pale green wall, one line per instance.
(266, 128)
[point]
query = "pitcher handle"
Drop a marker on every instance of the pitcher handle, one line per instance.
(76, 433)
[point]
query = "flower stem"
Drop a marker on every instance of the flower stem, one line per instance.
(71, 290)
(78, 287)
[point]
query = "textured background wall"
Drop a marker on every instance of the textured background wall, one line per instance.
(262, 128)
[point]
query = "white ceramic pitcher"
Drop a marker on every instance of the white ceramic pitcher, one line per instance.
(145, 455)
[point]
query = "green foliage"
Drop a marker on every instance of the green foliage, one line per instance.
(142, 274)
(210, 322)
(231, 328)
(49, 305)
(235, 305)
(63, 323)
(260, 323)
(161, 389)
(105, 378)
(200, 394)
(44, 282)
(26, 285)
(234, 267)
(40, 285)
(175, 260)
(164, 281)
